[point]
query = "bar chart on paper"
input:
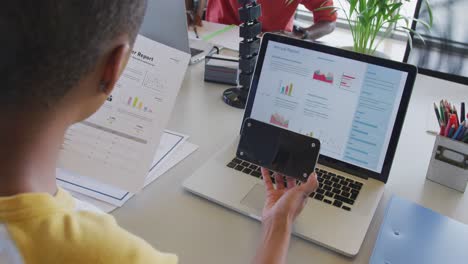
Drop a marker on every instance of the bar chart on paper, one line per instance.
(116, 145)
(136, 103)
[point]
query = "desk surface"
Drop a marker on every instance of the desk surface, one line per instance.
(199, 231)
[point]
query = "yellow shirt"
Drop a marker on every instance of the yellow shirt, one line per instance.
(40, 228)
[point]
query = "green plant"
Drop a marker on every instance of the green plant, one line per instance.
(369, 18)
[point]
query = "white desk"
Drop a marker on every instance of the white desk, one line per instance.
(202, 232)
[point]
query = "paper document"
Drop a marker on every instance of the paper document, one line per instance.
(170, 142)
(116, 145)
(105, 207)
(180, 154)
(218, 34)
(173, 158)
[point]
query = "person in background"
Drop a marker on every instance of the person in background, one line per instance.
(277, 16)
(60, 62)
(194, 10)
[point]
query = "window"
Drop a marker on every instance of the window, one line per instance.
(303, 14)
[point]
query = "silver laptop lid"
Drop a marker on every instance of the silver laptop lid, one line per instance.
(165, 22)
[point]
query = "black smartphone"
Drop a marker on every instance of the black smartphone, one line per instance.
(278, 149)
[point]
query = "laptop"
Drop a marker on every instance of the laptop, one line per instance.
(354, 104)
(166, 22)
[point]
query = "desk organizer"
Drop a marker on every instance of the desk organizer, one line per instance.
(449, 164)
(221, 69)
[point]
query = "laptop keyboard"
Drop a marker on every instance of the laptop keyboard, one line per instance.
(335, 190)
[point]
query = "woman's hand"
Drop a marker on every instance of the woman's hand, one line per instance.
(286, 201)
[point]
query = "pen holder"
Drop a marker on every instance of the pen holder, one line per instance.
(449, 164)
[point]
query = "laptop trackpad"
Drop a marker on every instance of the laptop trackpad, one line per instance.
(255, 199)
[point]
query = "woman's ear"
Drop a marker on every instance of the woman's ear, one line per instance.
(114, 67)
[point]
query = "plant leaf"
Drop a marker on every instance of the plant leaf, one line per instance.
(393, 7)
(410, 39)
(366, 18)
(362, 5)
(415, 33)
(427, 25)
(429, 11)
(327, 8)
(352, 7)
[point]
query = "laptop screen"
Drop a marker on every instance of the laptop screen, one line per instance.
(350, 106)
(156, 27)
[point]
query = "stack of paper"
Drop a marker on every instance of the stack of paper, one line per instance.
(173, 148)
(108, 156)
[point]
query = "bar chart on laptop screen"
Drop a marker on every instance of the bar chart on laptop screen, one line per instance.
(303, 91)
(323, 77)
(286, 88)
